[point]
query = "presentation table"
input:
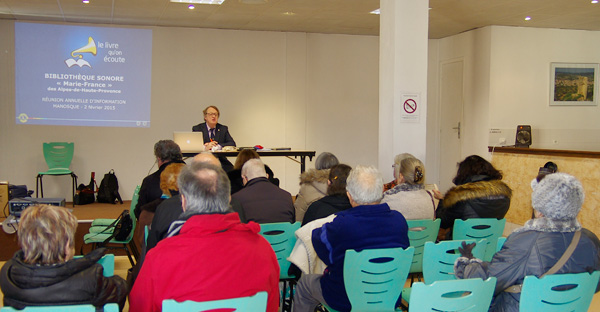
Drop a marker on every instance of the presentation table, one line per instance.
(269, 153)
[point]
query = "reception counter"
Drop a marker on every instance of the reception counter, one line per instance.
(520, 165)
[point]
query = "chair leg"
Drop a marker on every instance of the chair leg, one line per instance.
(74, 178)
(39, 179)
(129, 255)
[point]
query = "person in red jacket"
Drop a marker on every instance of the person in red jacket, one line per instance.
(212, 255)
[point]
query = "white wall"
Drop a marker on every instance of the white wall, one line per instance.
(304, 91)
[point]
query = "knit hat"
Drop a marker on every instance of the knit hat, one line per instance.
(558, 196)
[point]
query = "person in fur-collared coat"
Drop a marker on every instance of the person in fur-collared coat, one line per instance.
(479, 193)
(313, 183)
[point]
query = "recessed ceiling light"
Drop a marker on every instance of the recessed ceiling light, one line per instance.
(191, 7)
(528, 18)
(376, 11)
(199, 1)
(289, 13)
(86, 1)
(594, 1)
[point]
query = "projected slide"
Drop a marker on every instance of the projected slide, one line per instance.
(82, 76)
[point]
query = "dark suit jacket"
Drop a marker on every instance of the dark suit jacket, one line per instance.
(221, 134)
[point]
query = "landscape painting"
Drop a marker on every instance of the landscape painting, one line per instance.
(573, 84)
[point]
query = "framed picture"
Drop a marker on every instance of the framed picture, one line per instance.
(573, 84)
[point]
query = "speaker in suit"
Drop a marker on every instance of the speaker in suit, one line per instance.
(220, 134)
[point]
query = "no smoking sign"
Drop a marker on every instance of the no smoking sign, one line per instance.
(409, 108)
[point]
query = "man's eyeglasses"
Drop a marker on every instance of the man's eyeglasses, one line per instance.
(212, 114)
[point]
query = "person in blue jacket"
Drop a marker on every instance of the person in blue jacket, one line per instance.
(368, 224)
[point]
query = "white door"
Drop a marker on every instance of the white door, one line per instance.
(451, 121)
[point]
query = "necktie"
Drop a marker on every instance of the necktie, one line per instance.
(212, 133)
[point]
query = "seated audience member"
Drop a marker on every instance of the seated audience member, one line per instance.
(262, 201)
(212, 256)
(215, 135)
(166, 152)
(170, 209)
(368, 224)
(336, 199)
(409, 196)
(235, 175)
(537, 246)
(397, 160)
(169, 188)
(479, 193)
(313, 183)
(44, 272)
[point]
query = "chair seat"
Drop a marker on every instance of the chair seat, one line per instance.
(101, 229)
(90, 238)
(56, 171)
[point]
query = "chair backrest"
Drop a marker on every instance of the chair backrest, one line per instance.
(480, 228)
(108, 264)
(465, 295)
(374, 278)
(282, 239)
(438, 259)
(110, 307)
(134, 201)
(58, 155)
(256, 303)
(420, 232)
(500, 243)
(546, 295)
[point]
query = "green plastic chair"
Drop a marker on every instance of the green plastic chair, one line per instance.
(544, 294)
(480, 228)
(500, 243)
(98, 235)
(109, 307)
(256, 303)
(420, 232)
(282, 239)
(99, 224)
(58, 156)
(475, 295)
(108, 264)
(438, 262)
(373, 278)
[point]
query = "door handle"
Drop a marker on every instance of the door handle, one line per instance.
(457, 128)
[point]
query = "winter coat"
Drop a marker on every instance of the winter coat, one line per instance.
(263, 202)
(411, 200)
(213, 257)
(326, 206)
(533, 250)
(77, 281)
(313, 186)
(361, 227)
(477, 198)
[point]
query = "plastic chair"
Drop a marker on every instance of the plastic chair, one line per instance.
(102, 222)
(438, 262)
(500, 243)
(465, 295)
(108, 264)
(281, 237)
(256, 303)
(58, 156)
(420, 232)
(546, 295)
(109, 307)
(373, 278)
(96, 235)
(477, 229)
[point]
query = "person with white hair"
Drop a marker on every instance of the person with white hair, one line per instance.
(261, 200)
(536, 247)
(368, 224)
(212, 255)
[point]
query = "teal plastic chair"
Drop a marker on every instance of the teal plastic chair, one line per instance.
(465, 295)
(438, 262)
(98, 234)
(500, 243)
(420, 232)
(281, 237)
(256, 303)
(108, 264)
(477, 229)
(373, 278)
(99, 224)
(545, 294)
(110, 307)
(58, 156)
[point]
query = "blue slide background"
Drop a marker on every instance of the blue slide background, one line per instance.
(40, 69)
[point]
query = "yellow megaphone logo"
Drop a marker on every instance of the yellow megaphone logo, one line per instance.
(88, 48)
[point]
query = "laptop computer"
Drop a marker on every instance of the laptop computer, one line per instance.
(189, 142)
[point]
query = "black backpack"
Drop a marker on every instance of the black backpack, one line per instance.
(86, 193)
(108, 192)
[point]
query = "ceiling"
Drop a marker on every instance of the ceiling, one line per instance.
(446, 17)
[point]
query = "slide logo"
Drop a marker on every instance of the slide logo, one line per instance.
(78, 53)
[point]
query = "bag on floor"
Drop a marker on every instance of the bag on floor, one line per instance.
(86, 193)
(108, 192)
